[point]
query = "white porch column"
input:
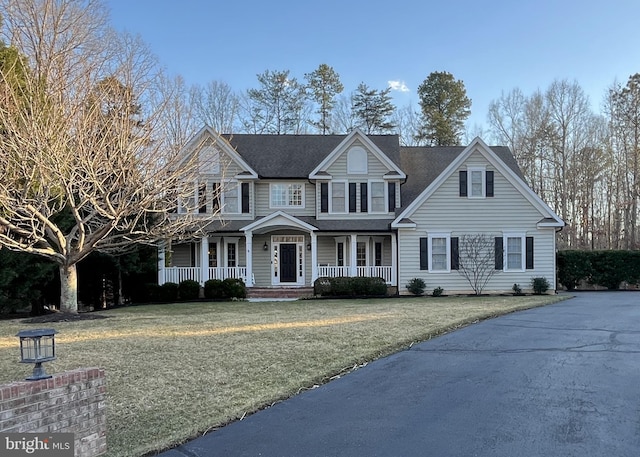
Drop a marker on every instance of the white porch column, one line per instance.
(353, 263)
(394, 260)
(204, 260)
(161, 260)
(248, 235)
(314, 257)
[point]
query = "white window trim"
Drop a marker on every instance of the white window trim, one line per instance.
(350, 162)
(366, 240)
(227, 242)
(209, 160)
(505, 253)
(447, 236)
(345, 210)
(223, 205)
(483, 174)
(385, 189)
(302, 187)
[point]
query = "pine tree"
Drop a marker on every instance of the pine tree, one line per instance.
(445, 106)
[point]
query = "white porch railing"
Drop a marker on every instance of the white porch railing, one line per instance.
(376, 272)
(179, 274)
(228, 272)
(332, 271)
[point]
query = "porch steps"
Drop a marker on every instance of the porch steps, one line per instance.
(280, 292)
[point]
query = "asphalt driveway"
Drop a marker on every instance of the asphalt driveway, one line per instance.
(563, 380)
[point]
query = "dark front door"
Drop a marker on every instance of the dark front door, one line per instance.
(288, 263)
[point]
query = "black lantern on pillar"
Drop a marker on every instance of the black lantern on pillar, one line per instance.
(37, 346)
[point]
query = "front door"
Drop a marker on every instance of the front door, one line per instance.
(288, 263)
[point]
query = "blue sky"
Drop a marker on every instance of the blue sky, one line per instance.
(492, 45)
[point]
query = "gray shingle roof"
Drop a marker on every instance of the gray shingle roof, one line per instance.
(295, 156)
(424, 164)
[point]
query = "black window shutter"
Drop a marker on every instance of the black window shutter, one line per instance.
(352, 197)
(455, 254)
(216, 197)
(245, 197)
(392, 197)
(424, 259)
(499, 250)
(363, 198)
(463, 183)
(489, 180)
(529, 252)
(324, 197)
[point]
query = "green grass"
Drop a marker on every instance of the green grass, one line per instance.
(177, 371)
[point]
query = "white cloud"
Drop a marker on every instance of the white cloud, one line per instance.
(398, 85)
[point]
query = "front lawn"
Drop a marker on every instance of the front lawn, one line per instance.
(177, 371)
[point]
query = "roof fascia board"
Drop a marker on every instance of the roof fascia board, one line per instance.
(492, 157)
(344, 144)
(294, 222)
(218, 140)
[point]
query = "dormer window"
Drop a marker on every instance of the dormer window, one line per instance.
(357, 161)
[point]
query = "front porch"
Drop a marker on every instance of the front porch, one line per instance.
(179, 274)
(281, 251)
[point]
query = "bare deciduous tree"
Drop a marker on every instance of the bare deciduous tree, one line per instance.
(85, 157)
(477, 260)
(216, 105)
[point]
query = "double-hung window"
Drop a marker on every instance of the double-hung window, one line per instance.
(339, 197)
(514, 252)
(287, 195)
(439, 253)
(378, 197)
(476, 182)
(439, 249)
(229, 195)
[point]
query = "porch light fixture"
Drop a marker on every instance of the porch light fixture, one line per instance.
(308, 246)
(265, 247)
(37, 346)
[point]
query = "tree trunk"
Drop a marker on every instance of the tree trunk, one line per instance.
(68, 289)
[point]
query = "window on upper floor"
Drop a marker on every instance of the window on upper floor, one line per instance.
(229, 197)
(357, 161)
(208, 197)
(209, 160)
(287, 195)
(476, 182)
(378, 197)
(338, 197)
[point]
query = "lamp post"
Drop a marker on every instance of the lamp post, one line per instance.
(37, 346)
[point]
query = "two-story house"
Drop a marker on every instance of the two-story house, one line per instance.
(293, 208)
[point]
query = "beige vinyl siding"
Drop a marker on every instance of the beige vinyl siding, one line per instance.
(328, 254)
(446, 212)
(262, 260)
(181, 255)
(375, 168)
(263, 199)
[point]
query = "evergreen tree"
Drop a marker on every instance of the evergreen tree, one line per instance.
(445, 107)
(278, 106)
(324, 84)
(373, 109)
